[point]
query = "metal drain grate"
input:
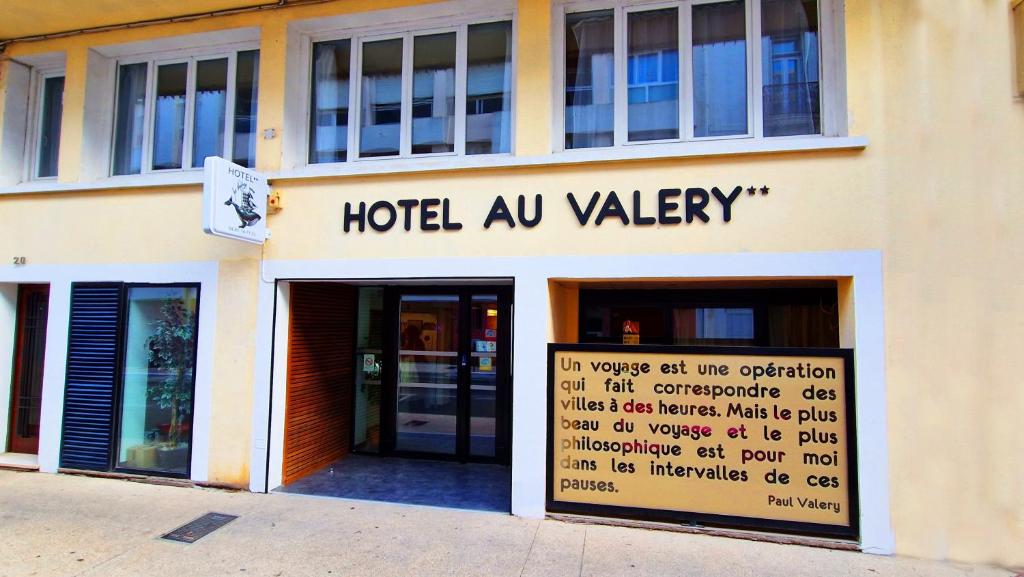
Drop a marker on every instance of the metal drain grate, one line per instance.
(197, 529)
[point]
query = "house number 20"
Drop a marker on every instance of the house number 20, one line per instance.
(18, 260)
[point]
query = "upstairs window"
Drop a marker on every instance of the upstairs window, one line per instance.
(690, 70)
(439, 92)
(50, 110)
(172, 114)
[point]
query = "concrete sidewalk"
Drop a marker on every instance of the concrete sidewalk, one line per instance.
(62, 525)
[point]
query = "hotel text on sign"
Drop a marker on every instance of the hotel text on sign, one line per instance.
(734, 436)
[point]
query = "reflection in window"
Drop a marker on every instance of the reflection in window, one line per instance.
(433, 93)
(381, 98)
(777, 317)
(247, 86)
(169, 119)
(483, 370)
(131, 118)
(653, 74)
(428, 373)
(489, 88)
(589, 79)
(211, 102)
(158, 380)
(719, 69)
(328, 133)
(733, 326)
(789, 67)
(194, 91)
(49, 126)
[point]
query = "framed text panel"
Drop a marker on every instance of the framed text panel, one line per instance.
(736, 436)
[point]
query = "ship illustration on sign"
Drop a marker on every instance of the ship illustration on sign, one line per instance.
(246, 210)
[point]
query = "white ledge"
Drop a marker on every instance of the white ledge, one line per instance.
(637, 152)
(163, 179)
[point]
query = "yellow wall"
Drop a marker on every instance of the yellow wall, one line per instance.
(937, 190)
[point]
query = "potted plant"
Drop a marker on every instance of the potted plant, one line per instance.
(172, 353)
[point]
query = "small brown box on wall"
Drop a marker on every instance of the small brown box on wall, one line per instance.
(1018, 43)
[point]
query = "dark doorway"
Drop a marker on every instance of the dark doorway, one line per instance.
(27, 382)
(400, 393)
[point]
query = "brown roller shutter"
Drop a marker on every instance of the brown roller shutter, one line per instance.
(318, 411)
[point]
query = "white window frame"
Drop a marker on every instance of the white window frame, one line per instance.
(191, 58)
(357, 37)
(831, 73)
(37, 90)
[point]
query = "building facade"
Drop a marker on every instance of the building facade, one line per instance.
(457, 185)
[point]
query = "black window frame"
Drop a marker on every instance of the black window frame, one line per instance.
(758, 298)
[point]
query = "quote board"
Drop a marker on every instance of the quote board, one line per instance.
(760, 438)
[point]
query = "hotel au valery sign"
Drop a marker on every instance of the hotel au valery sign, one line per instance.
(667, 206)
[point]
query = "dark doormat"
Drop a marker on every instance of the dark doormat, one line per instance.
(198, 528)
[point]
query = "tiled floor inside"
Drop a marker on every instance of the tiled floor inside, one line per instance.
(412, 481)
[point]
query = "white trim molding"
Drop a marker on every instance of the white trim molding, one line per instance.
(533, 330)
(708, 148)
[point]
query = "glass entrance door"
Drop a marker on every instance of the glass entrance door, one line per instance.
(451, 392)
(428, 374)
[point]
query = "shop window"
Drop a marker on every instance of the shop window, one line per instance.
(441, 92)
(130, 381)
(777, 317)
(171, 115)
(691, 71)
(157, 380)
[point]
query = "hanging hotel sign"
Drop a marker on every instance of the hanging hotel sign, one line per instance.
(748, 437)
(234, 201)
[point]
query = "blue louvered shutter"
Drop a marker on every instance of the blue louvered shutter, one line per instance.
(91, 379)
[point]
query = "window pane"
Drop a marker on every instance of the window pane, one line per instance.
(589, 79)
(653, 72)
(157, 387)
(131, 118)
(726, 326)
(381, 98)
(719, 69)
(169, 115)
(328, 131)
(484, 367)
(489, 88)
(49, 126)
(789, 66)
(369, 363)
(211, 104)
(247, 86)
(433, 93)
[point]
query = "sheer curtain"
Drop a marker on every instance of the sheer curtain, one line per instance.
(653, 74)
(247, 86)
(210, 110)
(433, 104)
(719, 69)
(489, 88)
(381, 98)
(169, 116)
(131, 112)
(330, 103)
(590, 79)
(789, 64)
